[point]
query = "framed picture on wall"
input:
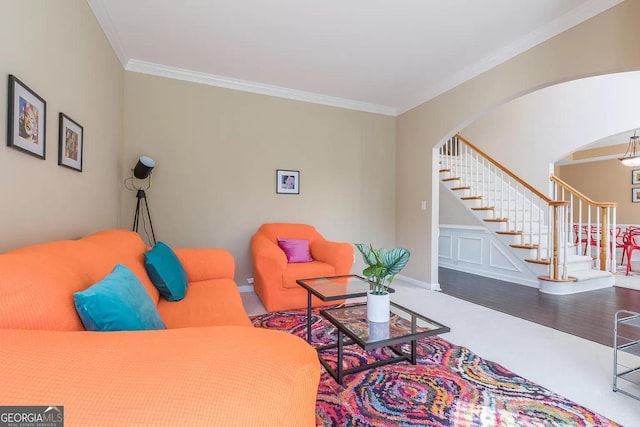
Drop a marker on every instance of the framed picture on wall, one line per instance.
(27, 119)
(287, 181)
(635, 195)
(635, 177)
(70, 143)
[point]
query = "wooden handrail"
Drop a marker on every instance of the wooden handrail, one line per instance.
(581, 196)
(506, 170)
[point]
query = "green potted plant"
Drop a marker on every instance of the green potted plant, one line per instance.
(383, 265)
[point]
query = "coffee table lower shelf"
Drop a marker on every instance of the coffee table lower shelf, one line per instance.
(353, 328)
(339, 373)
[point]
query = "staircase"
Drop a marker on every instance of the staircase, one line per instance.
(541, 231)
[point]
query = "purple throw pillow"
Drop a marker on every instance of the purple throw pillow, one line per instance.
(296, 250)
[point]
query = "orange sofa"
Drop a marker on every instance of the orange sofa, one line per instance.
(209, 367)
(274, 279)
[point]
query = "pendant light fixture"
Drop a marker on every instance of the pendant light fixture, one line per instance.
(632, 156)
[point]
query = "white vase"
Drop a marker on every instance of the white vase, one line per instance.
(378, 307)
(378, 331)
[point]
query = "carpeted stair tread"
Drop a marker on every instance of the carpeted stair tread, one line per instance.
(590, 274)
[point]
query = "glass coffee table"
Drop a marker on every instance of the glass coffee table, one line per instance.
(404, 326)
(333, 288)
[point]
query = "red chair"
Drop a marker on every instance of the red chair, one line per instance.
(619, 239)
(631, 242)
(594, 236)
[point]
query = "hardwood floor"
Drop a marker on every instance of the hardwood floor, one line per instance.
(589, 315)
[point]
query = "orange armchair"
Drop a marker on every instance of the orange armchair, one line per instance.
(274, 278)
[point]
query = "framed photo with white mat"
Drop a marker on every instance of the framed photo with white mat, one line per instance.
(287, 181)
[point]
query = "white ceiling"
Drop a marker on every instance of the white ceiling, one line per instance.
(384, 56)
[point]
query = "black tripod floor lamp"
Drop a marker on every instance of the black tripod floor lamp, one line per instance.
(141, 172)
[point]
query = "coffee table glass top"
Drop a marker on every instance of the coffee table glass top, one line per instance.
(337, 287)
(404, 325)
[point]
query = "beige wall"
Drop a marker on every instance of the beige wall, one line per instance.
(59, 51)
(604, 44)
(217, 151)
(452, 211)
(604, 181)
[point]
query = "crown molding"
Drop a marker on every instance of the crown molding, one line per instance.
(253, 87)
(568, 20)
(109, 28)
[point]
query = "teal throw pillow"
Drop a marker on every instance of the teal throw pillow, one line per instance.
(119, 302)
(166, 272)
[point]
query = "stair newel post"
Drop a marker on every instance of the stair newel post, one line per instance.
(540, 221)
(554, 256)
(558, 209)
(604, 238)
(614, 237)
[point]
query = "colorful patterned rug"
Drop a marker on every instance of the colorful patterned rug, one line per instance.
(450, 386)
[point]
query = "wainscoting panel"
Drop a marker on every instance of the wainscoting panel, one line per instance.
(477, 250)
(470, 249)
(445, 248)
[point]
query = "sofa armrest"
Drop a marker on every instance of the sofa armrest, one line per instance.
(338, 254)
(267, 256)
(206, 263)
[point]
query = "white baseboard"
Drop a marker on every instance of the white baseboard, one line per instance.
(419, 283)
(490, 274)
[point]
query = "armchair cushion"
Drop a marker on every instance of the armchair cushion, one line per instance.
(308, 270)
(166, 272)
(296, 250)
(119, 302)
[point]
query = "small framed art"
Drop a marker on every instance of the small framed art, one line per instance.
(635, 195)
(70, 143)
(27, 119)
(287, 181)
(635, 177)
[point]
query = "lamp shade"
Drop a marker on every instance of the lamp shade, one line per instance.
(143, 168)
(631, 161)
